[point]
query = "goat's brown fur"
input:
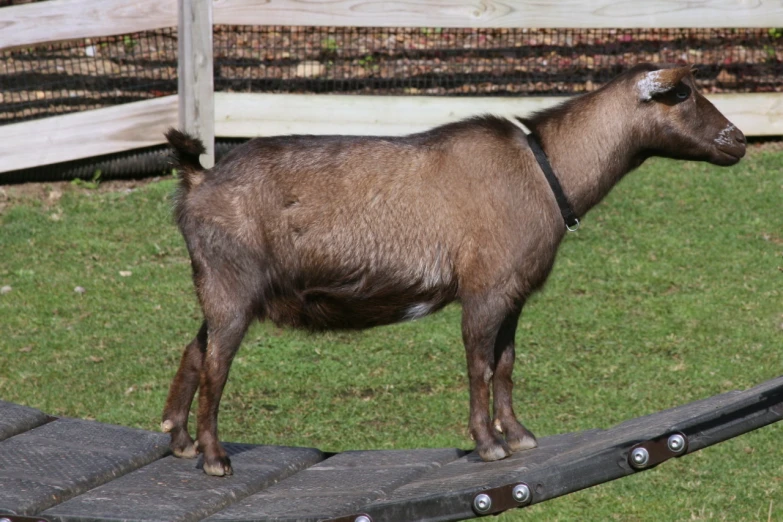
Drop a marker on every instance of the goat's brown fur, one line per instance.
(330, 232)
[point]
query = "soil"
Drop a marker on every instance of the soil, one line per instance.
(49, 194)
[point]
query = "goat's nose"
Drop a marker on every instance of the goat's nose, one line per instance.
(739, 137)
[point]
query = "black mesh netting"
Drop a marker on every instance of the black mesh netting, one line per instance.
(71, 76)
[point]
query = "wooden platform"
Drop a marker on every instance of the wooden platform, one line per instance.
(77, 470)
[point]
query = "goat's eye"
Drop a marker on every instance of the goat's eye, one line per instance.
(682, 94)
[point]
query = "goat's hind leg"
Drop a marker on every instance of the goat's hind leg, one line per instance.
(181, 393)
(225, 335)
(517, 436)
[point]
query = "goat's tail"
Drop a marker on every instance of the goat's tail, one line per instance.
(187, 150)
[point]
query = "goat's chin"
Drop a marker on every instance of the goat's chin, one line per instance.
(726, 157)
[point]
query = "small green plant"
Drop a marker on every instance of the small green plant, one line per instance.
(776, 32)
(129, 43)
(92, 184)
(368, 63)
(330, 45)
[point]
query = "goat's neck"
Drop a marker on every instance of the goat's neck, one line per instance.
(589, 152)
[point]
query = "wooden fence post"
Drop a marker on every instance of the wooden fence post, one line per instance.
(196, 85)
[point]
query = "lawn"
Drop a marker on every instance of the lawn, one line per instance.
(671, 291)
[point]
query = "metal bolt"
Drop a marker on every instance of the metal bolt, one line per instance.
(363, 518)
(482, 503)
(676, 443)
(521, 493)
(639, 458)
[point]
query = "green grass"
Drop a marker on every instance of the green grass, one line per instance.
(670, 292)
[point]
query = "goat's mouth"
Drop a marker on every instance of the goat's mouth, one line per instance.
(726, 156)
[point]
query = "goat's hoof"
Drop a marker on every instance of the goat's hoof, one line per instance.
(181, 444)
(220, 468)
(190, 451)
(517, 436)
(520, 438)
(522, 443)
(497, 450)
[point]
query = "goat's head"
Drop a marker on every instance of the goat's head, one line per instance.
(678, 122)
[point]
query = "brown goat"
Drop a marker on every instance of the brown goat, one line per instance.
(331, 232)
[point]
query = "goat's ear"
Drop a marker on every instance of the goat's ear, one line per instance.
(658, 82)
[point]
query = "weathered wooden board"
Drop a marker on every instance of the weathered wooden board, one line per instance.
(195, 74)
(86, 134)
(502, 13)
(141, 124)
(251, 114)
(175, 489)
(17, 419)
(81, 471)
(55, 20)
(342, 484)
(59, 460)
(757, 114)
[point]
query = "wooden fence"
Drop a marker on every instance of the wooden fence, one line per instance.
(197, 109)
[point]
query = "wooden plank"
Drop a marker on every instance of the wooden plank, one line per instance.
(757, 114)
(251, 114)
(142, 124)
(56, 20)
(502, 13)
(85, 134)
(196, 93)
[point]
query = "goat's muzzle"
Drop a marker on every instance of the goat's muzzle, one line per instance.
(730, 145)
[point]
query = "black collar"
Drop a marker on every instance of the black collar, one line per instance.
(571, 221)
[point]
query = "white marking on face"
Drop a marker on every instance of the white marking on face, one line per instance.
(650, 85)
(723, 136)
(416, 311)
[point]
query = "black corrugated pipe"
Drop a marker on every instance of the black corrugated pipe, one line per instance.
(139, 163)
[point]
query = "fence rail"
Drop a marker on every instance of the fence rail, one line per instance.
(139, 124)
(56, 20)
(501, 13)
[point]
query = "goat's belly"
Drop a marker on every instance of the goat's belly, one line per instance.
(322, 310)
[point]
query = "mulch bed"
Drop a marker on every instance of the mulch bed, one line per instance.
(72, 76)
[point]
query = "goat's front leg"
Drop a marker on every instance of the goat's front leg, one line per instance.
(223, 342)
(181, 392)
(517, 436)
(481, 322)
